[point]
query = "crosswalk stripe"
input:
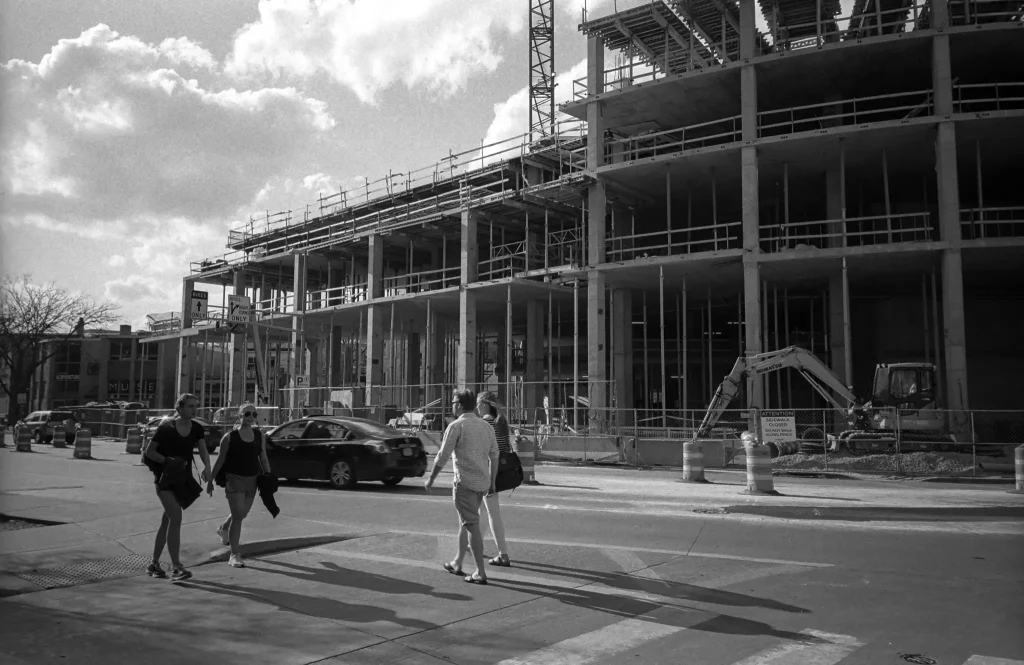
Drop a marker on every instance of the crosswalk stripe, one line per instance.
(749, 575)
(597, 644)
(833, 650)
(631, 564)
(992, 660)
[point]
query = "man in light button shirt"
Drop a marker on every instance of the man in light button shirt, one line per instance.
(471, 442)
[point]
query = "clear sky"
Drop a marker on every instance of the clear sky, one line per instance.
(135, 134)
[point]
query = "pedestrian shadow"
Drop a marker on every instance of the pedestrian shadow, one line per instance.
(335, 575)
(636, 608)
(569, 487)
(324, 608)
(669, 589)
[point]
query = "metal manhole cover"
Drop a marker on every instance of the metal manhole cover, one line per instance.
(90, 571)
(917, 659)
(711, 511)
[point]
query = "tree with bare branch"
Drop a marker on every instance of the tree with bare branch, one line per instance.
(32, 315)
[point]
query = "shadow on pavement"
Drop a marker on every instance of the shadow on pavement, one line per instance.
(820, 498)
(635, 608)
(324, 608)
(333, 574)
(675, 590)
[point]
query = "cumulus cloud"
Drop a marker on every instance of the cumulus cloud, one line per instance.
(368, 46)
(111, 127)
(512, 116)
(133, 288)
(116, 261)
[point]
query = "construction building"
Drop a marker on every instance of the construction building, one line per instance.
(848, 184)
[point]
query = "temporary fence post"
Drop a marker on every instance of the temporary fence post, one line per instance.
(824, 441)
(974, 447)
(896, 425)
(1018, 469)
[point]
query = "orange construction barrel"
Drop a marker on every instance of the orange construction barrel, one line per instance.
(1018, 468)
(23, 439)
(83, 444)
(58, 437)
(759, 469)
(133, 446)
(693, 463)
(525, 449)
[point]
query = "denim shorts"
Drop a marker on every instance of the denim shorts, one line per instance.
(235, 484)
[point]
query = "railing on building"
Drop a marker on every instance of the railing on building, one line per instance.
(419, 282)
(876, 108)
(849, 232)
(713, 238)
(506, 261)
(990, 222)
(981, 97)
(397, 194)
(975, 12)
(702, 135)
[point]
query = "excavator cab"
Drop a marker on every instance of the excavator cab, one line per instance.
(907, 385)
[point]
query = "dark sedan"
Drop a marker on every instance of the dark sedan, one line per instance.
(212, 433)
(344, 451)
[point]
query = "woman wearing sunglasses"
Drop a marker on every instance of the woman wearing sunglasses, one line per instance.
(242, 454)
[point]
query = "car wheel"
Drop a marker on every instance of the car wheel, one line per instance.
(392, 480)
(341, 474)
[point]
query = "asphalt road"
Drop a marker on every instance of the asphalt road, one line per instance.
(609, 566)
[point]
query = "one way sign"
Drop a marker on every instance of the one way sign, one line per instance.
(238, 309)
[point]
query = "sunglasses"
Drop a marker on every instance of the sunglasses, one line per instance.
(249, 414)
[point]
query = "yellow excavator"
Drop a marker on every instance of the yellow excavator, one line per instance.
(903, 403)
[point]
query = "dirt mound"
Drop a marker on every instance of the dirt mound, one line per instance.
(917, 464)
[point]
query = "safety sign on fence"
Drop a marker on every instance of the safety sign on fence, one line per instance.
(778, 426)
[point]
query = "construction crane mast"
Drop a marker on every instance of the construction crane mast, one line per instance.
(542, 68)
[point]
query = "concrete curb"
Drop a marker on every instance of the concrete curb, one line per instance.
(968, 480)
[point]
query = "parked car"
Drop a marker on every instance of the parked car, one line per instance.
(41, 423)
(212, 433)
(344, 451)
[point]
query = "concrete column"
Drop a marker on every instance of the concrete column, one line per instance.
(595, 113)
(837, 333)
(748, 26)
(375, 323)
(434, 344)
(534, 375)
(414, 362)
(954, 335)
(835, 197)
(751, 272)
(622, 334)
(336, 355)
(237, 343)
(298, 354)
(466, 365)
(466, 374)
(186, 302)
(597, 361)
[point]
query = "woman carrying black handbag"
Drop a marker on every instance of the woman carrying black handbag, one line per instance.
(487, 408)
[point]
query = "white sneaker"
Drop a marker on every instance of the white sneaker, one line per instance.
(236, 561)
(224, 539)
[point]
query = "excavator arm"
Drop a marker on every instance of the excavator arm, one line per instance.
(817, 373)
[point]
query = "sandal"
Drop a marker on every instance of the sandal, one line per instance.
(451, 569)
(476, 579)
(500, 560)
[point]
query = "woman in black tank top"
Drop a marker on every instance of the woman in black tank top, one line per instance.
(242, 458)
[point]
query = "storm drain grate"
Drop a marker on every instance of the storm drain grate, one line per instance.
(83, 573)
(711, 511)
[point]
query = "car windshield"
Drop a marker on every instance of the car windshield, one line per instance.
(60, 415)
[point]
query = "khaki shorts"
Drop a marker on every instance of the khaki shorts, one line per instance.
(467, 503)
(235, 484)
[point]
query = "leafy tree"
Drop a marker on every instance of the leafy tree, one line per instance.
(31, 315)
